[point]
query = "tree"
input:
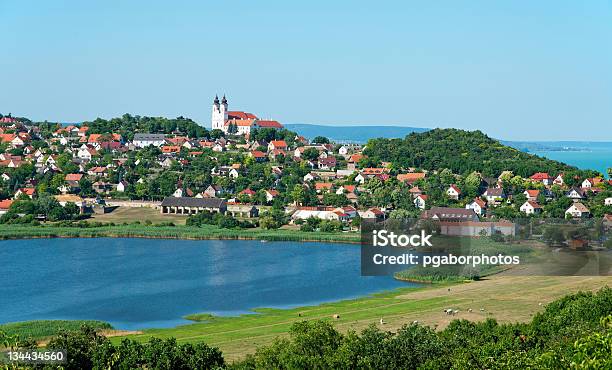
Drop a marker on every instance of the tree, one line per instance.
(310, 154)
(320, 140)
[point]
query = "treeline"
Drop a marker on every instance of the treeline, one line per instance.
(572, 332)
(127, 125)
(462, 152)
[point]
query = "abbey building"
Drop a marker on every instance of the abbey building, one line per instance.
(237, 122)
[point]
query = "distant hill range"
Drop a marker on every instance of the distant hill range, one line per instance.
(354, 134)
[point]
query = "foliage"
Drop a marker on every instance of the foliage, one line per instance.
(462, 152)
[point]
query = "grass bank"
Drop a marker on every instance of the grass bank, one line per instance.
(505, 298)
(170, 232)
(41, 329)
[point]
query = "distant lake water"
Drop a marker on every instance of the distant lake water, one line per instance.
(599, 159)
(142, 283)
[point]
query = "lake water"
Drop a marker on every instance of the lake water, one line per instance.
(142, 283)
(593, 158)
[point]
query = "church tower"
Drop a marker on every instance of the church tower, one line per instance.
(219, 113)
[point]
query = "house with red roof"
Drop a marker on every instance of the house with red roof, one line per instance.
(277, 144)
(30, 192)
(532, 195)
(453, 192)
(258, 155)
(410, 178)
(531, 207)
(542, 177)
(5, 205)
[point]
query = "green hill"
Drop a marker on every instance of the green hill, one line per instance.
(462, 152)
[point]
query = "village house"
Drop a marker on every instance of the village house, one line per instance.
(420, 201)
(592, 182)
(5, 205)
(576, 194)
(122, 186)
(410, 178)
(608, 201)
(323, 187)
(30, 192)
(453, 192)
(578, 210)
(277, 144)
(478, 206)
(271, 194)
(542, 177)
(559, 180)
(532, 195)
(372, 214)
(494, 195)
(530, 208)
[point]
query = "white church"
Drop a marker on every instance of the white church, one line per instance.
(237, 122)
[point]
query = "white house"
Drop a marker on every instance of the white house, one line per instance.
(578, 210)
(270, 195)
(494, 195)
(531, 208)
(122, 186)
(608, 202)
(420, 201)
(575, 194)
(478, 206)
(453, 192)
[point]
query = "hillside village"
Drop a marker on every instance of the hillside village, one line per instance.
(248, 172)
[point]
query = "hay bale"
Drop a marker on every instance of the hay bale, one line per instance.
(336, 316)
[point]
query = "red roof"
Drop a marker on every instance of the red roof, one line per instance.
(94, 138)
(323, 185)
(410, 177)
(258, 154)
(374, 171)
(6, 204)
(28, 191)
(532, 193)
(74, 177)
(540, 176)
(269, 124)
(247, 192)
(240, 115)
(480, 202)
(278, 143)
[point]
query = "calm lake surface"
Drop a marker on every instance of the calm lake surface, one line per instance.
(590, 158)
(143, 283)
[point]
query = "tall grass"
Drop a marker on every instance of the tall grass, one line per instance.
(41, 329)
(171, 232)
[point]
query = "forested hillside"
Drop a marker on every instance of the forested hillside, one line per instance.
(461, 152)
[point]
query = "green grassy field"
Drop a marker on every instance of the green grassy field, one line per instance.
(506, 298)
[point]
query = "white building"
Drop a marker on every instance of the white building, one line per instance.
(531, 208)
(236, 122)
(477, 205)
(578, 210)
(608, 202)
(144, 140)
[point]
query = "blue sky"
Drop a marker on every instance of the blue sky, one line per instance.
(516, 70)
